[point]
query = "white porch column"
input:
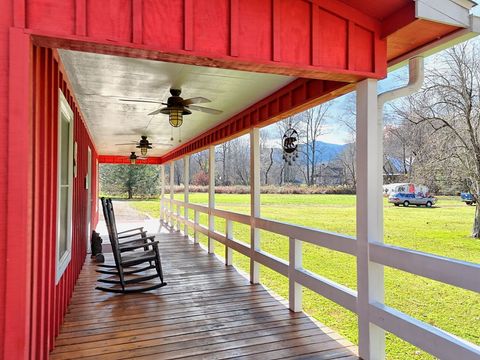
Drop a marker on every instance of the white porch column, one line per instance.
(162, 193)
(370, 278)
(211, 195)
(254, 202)
(186, 184)
(172, 180)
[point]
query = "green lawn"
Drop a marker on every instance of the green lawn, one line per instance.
(443, 230)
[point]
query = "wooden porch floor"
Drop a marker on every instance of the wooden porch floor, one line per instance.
(207, 311)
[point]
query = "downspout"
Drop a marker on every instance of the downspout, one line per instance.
(415, 82)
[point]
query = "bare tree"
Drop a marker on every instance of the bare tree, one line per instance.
(449, 107)
(222, 157)
(178, 172)
(269, 166)
(267, 150)
(200, 161)
(347, 159)
(240, 160)
(312, 123)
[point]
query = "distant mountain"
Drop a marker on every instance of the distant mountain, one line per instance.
(324, 152)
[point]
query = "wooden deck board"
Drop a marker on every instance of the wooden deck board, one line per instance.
(207, 311)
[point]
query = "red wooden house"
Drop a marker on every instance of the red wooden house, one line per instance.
(263, 60)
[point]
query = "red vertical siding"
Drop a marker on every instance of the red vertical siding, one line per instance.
(5, 23)
(18, 198)
(50, 300)
(277, 36)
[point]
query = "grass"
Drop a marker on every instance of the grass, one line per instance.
(443, 230)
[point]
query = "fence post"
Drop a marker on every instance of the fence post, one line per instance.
(295, 262)
(178, 218)
(172, 180)
(211, 196)
(162, 193)
(254, 203)
(370, 276)
(196, 222)
(229, 236)
(186, 184)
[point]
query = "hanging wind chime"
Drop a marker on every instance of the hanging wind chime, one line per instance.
(290, 145)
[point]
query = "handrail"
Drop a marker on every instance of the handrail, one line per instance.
(450, 271)
(333, 241)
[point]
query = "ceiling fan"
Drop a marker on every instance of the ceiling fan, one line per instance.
(143, 144)
(176, 107)
(133, 158)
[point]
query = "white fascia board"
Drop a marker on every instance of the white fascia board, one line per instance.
(443, 43)
(469, 4)
(475, 24)
(443, 11)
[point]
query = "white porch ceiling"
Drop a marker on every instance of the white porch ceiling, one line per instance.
(99, 81)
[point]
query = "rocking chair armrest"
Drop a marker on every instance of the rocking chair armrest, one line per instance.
(142, 233)
(139, 246)
(151, 238)
(130, 230)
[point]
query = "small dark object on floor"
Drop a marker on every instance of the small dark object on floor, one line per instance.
(96, 244)
(99, 258)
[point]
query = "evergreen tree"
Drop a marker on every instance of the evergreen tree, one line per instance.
(132, 180)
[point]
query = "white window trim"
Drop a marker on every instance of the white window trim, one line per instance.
(62, 263)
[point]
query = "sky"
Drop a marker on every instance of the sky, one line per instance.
(335, 133)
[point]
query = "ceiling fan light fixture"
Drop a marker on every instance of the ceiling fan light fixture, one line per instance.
(175, 117)
(133, 158)
(143, 151)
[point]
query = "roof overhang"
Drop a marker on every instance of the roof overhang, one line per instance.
(376, 34)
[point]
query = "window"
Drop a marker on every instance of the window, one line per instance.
(65, 184)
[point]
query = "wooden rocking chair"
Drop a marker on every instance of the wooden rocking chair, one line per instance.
(128, 254)
(134, 236)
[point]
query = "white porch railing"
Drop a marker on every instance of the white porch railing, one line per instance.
(433, 340)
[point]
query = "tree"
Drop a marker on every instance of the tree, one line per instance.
(347, 160)
(312, 126)
(267, 150)
(200, 161)
(270, 164)
(178, 172)
(240, 160)
(348, 157)
(222, 154)
(133, 180)
(448, 107)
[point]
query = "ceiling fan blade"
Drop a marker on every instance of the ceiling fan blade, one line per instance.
(205, 109)
(196, 100)
(155, 112)
(162, 144)
(132, 143)
(140, 101)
